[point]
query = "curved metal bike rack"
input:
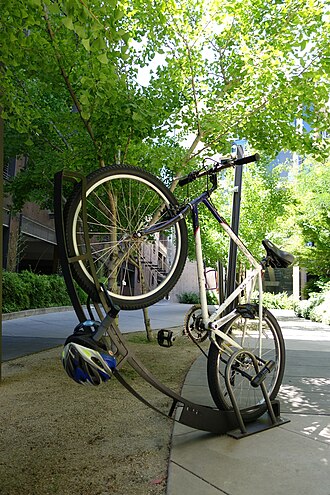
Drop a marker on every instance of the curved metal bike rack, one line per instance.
(182, 410)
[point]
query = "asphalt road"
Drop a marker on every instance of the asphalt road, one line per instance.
(30, 334)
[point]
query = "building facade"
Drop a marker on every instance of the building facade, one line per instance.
(29, 240)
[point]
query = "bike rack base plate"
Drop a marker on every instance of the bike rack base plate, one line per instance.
(263, 423)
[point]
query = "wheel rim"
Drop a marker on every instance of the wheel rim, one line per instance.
(131, 267)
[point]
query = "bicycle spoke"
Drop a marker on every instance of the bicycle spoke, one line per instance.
(120, 204)
(245, 331)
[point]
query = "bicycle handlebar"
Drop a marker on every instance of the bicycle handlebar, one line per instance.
(226, 163)
(187, 179)
(247, 159)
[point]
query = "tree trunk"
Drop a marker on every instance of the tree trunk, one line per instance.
(147, 324)
(145, 310)
(13, 245)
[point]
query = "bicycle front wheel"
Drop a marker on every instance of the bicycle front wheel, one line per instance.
(270, 346)
(121, 201)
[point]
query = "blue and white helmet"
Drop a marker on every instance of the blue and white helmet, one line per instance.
(85, 360)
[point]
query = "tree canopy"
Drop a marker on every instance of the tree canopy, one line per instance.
(160, 84)
(311, 229)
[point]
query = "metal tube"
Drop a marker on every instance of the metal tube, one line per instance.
(1, 220)
(232, 258)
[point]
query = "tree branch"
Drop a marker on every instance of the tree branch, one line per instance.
(127, 145)
(193, 85)
(73, 95)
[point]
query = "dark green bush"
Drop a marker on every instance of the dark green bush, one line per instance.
(188, 298)
(315, 285)
(193, 298)
(39, 291)
(15, 293)
(212, 298)
(28, 290)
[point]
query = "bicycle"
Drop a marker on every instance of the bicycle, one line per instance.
(138, 237)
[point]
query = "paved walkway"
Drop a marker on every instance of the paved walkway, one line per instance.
(35, 333)
(291, 459)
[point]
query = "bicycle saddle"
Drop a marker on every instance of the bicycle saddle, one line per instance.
(277, 257)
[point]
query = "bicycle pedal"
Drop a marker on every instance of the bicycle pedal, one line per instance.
(165, 338)
(259, 378)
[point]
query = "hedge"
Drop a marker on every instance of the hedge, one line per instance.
(280, 300)
(27, 290)
(270, 301)
(193, 298)
(317, 307)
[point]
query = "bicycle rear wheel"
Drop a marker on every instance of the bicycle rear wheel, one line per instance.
(121, 201)
(245, 331)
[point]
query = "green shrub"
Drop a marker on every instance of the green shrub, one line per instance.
(188, 298)
(28, 290)
(277, 301)
(60, 296)
(321, 312)
(15, 293)
(310, 287)
(301, 308)
(315, 285)
(317, 307)
(39, 291)
(324, 285)
(316, 298)
(212, 298)
(193, 298)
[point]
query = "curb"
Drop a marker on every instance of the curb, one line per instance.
(35, 312)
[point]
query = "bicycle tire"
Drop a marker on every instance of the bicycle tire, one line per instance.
(190, 324)
(122, 200)
(250, 400)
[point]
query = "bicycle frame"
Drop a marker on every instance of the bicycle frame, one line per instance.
(214, 322)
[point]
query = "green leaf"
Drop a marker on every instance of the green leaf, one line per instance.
(67, 21)
(85, 115)
(103, 58)
(99, 43)
(80, 30)
(86, 44)
(126, 37)
(84, 100)
(53, 8)
(119, 14)
(124, 55)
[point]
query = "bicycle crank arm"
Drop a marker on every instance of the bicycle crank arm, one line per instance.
(259, 378)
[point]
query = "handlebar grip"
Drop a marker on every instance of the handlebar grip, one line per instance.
(189, 178)
(184, 181)
(247, 159)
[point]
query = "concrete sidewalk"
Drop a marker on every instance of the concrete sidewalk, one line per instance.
(290, 459)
